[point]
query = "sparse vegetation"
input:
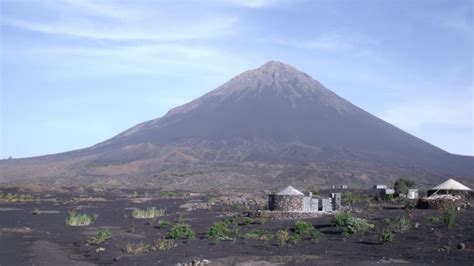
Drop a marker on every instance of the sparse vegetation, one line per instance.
(78, 219)
(164, 244)
(219, 231)
(247, 221)
(402, 225)
(148, 213)
(264, 217)
(351, 225)
(294, 239)
(303, 228)
(258, 234)
(387, 221)
(9, 197)
(163, 224)
(171, 194)
(386, 236)
(339, 219)
(181, 230)
(282, 236)
(448, 218)
(432, 219)
(138, 248)
(349, 197)
(100, 237)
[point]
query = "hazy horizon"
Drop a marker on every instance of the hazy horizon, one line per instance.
(75, 73)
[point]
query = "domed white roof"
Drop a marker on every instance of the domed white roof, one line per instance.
(451, 184)
(289, 190)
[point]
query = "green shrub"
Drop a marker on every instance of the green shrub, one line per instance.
(164, 244)
(148, 213)
(294, 238)
(387, 221)
(163, 224)
(448, 218)
(340, 219)
(303, 228)
(432, 219)
(315, 234)
(386, 236)
(282, 236)
(247, 221)
(78, 219)
(219, 231)
(138, 248)
(402, 185)
(180, 231)
(402, 225)
(99, 238)
(349, 224)
(349, 197)
(356, 225)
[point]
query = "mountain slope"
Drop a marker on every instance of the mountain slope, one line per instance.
(266, 126)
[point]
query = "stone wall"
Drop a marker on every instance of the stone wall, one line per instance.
(281, 215)
(326, 204)
(285, 202)
(336, 201)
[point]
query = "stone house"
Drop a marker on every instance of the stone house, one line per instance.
(293, 200)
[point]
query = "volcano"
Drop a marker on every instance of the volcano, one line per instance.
(264, 128)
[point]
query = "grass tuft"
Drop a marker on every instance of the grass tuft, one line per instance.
(78, 219)
(148, 213)
(9, 197)
(100, 237)
(138, 248)
(164, 244)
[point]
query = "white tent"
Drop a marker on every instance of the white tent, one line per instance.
(451, 184)
(290, 191)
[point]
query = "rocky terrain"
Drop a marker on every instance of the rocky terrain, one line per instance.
(267, 127)
(36, 229)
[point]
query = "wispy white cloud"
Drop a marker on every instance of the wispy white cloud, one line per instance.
(121, 21)
(101, 8)
(250, 3)
(149, 59)
(203, 29)
(330, 41)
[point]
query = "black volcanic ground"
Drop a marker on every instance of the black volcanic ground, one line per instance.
(264, 128)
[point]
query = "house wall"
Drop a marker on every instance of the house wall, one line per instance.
(285, 203)
(326, 204)
(310, 204)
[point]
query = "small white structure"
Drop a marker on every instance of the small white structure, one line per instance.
(380, 186)
(449, 186)
(412, 193)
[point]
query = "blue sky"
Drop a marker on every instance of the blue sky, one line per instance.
(76, 72)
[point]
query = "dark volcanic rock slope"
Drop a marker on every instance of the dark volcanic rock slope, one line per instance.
(265, 127)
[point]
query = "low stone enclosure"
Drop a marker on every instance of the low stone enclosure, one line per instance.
(449, 194)
(293, 204)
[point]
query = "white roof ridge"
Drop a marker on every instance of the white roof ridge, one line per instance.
(289, 190)
(451, 184)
